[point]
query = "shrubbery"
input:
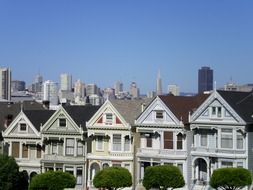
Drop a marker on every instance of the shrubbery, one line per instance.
(51, 180)
(230, 178)
(113, 178)
(163, 177)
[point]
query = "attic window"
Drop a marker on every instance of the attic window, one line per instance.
(62, 122)
(108, 117)
(22, 127)
(159, 114)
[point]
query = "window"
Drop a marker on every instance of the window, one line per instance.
(180, 166)
(79, 175)
(69, 170)
(216, 111)
(116, 141)
(239, 140)
(15, 149)
(54, 148)
(62, 122)
(159, 114)
(99, 143)
(149, 140)
(226, 164)
(116, 164)
(168, 140)
(24, 151)
(127, 143)
(239, 164)
(226, 138)
(79, 149)
(22, 127)
(70, 144)
(108, 118)
(179, 141)
(39, 151)
(203, 139)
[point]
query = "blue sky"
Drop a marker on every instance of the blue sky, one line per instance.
(102, 41)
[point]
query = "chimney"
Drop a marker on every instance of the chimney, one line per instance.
(46, 104)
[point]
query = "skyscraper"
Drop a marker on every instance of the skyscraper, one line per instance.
(134, 91)
(173, 89)
(118, 87)
(5, 84)
(79, 89)
(205, 79)
(158, 84)
(66, 82)
(50, 92)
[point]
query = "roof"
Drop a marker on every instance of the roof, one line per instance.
(13, 109)
(241, 102)
(81, 114)
(38, 117)
(182, 105)
(130, 109)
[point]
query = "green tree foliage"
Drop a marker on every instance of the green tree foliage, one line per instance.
(230, 178)
(51, 180)
(163, 177)
(9, 173)
(113, 178)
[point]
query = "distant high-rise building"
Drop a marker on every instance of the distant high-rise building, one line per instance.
(5, 84)
(17, 85)
(109, 93)
(173, 89)
(79, 89)
(158, 84)
(205, 79)
(91, 89)
(134, 91)
(118, 87)
(66, 82)
(50, 92)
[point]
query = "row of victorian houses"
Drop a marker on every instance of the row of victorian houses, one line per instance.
(198, 134)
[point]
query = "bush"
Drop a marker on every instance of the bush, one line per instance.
(230, 178)
(9, 173)
(113, 178)
(51, 180)
(163, 177)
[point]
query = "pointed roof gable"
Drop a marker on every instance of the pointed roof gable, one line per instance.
(182, 105)
(241, 102)
(130, 109)
(38, 117)
(81, 114)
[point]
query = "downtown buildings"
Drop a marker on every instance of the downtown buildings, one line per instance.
(5, 84)
(198, 134)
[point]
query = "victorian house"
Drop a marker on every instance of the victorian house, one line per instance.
(163, 134)
(63, 136)
(111, 136)
(23, 141)
(222, 135)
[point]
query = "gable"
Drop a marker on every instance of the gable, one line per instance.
(216, 110)
(107, 117)
(21, 127)
(60, 121)
(157, 113)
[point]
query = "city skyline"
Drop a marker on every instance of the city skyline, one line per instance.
(111, 41)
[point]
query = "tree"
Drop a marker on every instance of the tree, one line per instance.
(113, 178)
(52, 180)
(230, 178)
(163, 177)
(9, 173)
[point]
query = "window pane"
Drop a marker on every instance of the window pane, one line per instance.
(226, 164)
(179, 141)
(159, 114)
(15, 149)
(149, 140)
(54, 148)
(127, 144)
(39, 151)
(79, 148)
(62, 122)
(99, 143)
(203, 139)
(70, 146)
(22, 127)
(239, 140)
(116, 142)
(24, 151)
(79, 176)
(168, 140)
